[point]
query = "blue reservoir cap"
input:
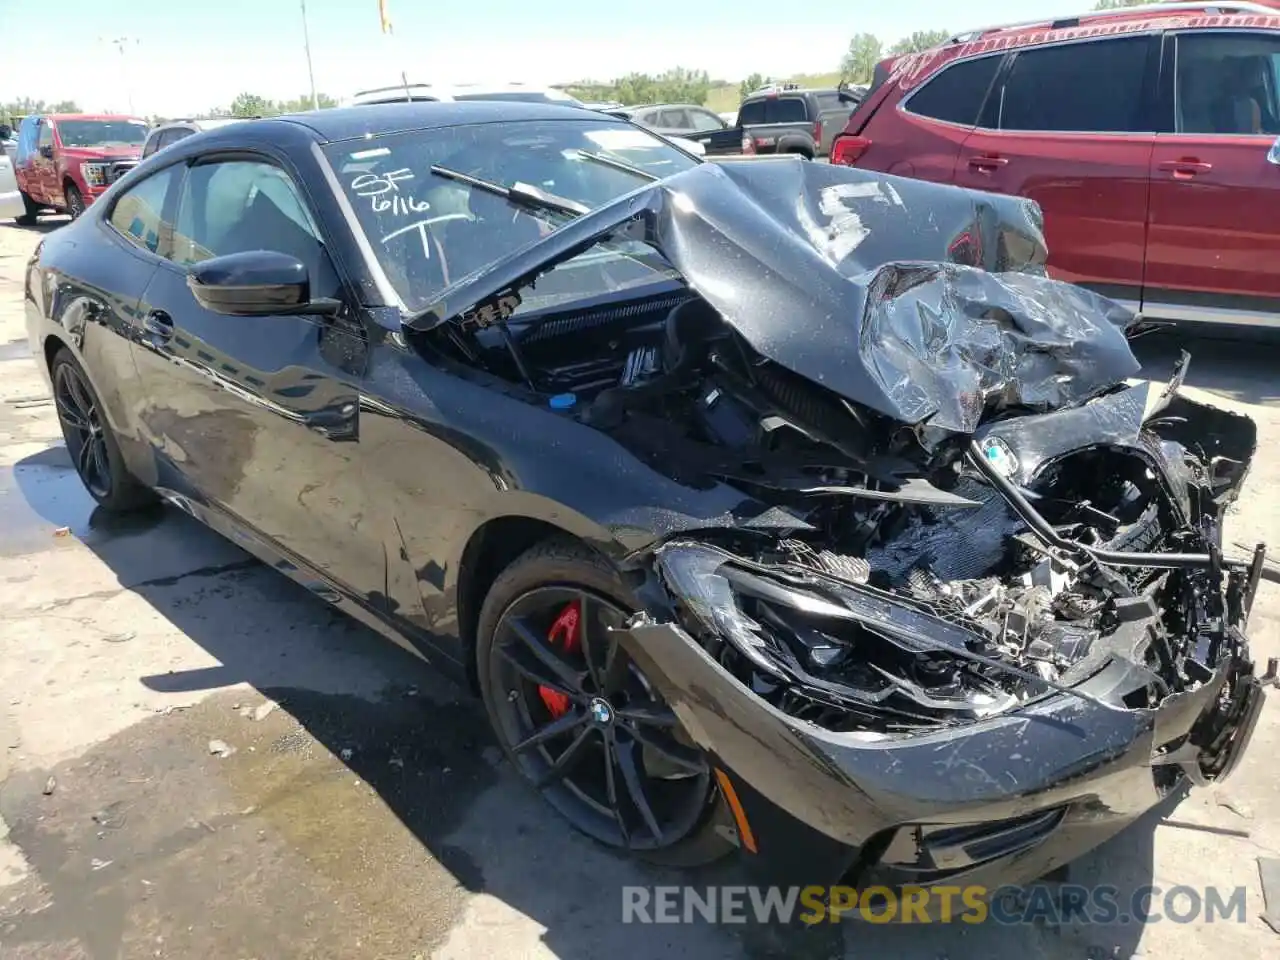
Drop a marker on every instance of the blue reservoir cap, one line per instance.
(562, 401)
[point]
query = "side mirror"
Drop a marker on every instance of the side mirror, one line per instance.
(47, 152)
(256, 283)
(1273, 155)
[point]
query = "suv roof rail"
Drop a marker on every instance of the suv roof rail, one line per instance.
(1153, 9)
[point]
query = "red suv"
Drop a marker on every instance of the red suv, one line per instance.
(1147, 135)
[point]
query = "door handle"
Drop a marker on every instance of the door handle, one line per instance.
(159, 324)
(988, 163)
(1187, 168)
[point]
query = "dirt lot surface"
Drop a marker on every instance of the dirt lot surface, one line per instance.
(368, 814)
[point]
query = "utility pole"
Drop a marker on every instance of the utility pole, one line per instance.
(120, 43)
(306, 45)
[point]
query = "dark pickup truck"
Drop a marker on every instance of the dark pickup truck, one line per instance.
(788, 119)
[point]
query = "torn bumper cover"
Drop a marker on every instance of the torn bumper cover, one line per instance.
(877, 733)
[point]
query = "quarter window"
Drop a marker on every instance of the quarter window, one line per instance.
(46, 134)
(957, 93)
(1227, 84)
(139, 212)
(1093, 87)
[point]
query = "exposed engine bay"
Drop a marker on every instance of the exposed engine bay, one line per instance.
(860, 517)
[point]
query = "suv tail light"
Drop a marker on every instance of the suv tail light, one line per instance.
(817, 132)
(849, 150)
(748, 144)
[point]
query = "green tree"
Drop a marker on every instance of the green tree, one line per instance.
(678, 85)
(23, 106)
(753, 82)
(920, 40)
(251, 105)
(859, 63)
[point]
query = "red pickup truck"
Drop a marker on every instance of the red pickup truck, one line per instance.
(64, 161)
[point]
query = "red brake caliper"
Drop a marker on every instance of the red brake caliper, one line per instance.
(563, 632)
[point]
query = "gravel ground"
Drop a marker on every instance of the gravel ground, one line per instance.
(200, 759)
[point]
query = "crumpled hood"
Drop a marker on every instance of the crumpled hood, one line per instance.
(926, 303)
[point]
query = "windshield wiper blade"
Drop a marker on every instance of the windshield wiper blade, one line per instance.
(520, 194)
(616, 164)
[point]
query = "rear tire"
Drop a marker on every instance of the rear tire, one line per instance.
(95, 453)
(75, 201)
(689, 807)
(31, 211)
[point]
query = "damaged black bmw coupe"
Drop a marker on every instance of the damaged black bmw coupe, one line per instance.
(769, 505)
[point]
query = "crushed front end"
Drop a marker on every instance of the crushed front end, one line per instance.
(938, 588)
(982, 682)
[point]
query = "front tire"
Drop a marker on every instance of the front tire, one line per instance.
(75, 201)
(94, 451)
(579, 721)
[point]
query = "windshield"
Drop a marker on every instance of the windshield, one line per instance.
(102, 133)
(429, 230)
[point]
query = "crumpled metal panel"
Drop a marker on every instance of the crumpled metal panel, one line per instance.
(926, 303)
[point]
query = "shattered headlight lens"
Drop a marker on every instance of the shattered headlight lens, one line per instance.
(826, 647)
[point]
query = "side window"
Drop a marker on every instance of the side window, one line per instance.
(787, 110)
(956, 94)
(1227, 84)
(244, 205)
(703, 120)
(751, 112)
(46, 134)
(1093, 87)
(152, 144)
(139, 212)
(673, 120)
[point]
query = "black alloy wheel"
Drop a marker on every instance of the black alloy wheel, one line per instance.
(82, 429)
(579, 720)
(75, 202)
(92, 446)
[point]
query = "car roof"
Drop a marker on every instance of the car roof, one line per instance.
(786, 92)
(90, 116)
(913, 68)
(449, 91)
(348, 123)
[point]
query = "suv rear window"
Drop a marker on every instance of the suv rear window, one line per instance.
(1087, 87)
(957, 93)
(773, 110)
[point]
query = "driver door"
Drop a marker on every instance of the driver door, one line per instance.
(259, 417)
(1213, 241)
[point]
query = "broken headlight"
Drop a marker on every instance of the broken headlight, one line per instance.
(887, 664)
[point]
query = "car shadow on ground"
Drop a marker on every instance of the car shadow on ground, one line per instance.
(424, 746)
(1238, 363)
(46, 224)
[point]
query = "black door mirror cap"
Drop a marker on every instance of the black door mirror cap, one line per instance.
(256, 283)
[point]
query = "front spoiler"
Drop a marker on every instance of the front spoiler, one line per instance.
(1050, 782)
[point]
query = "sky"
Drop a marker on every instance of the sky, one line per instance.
(183, 56)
